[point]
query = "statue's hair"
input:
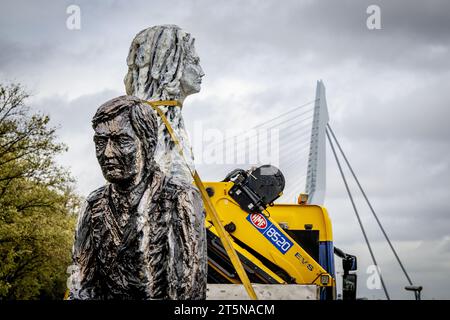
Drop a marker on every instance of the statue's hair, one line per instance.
(141, 116)
(156, 62)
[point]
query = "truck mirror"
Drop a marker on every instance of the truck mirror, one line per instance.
(349, 263)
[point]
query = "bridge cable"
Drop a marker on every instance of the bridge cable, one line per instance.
(262, 124)
(357, 214)
(370, 205)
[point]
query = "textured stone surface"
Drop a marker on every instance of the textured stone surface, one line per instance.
(142, 235)
(163, 65)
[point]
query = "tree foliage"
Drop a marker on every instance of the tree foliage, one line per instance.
(37, 203)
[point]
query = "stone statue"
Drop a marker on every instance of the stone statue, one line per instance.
(142, 235)
(163, 65)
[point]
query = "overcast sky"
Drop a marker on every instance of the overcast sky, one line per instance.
(387, 93)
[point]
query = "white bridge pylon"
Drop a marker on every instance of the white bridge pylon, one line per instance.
(316, 173)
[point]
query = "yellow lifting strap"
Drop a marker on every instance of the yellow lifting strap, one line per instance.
(206, 200)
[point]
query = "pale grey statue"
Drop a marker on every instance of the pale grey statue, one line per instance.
(163, 65)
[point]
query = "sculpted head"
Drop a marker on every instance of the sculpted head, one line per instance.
(125, 139)
(163, 64)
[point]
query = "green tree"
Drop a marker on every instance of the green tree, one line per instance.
(37, 203)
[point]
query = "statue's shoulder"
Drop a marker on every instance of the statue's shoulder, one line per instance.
(178, 184)
(96, 195)
(182, 189)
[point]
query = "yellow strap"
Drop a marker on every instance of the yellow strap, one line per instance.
(171, 103)
(207, 202)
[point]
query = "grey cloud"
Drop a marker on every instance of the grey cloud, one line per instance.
(385, 89)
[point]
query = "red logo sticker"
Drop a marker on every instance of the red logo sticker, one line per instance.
(258, 220)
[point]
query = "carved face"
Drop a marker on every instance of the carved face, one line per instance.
(191, 78)
(118, 150)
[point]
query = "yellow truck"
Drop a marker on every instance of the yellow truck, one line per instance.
(276, 243)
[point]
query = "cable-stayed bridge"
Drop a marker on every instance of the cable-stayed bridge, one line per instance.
(296, 142)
